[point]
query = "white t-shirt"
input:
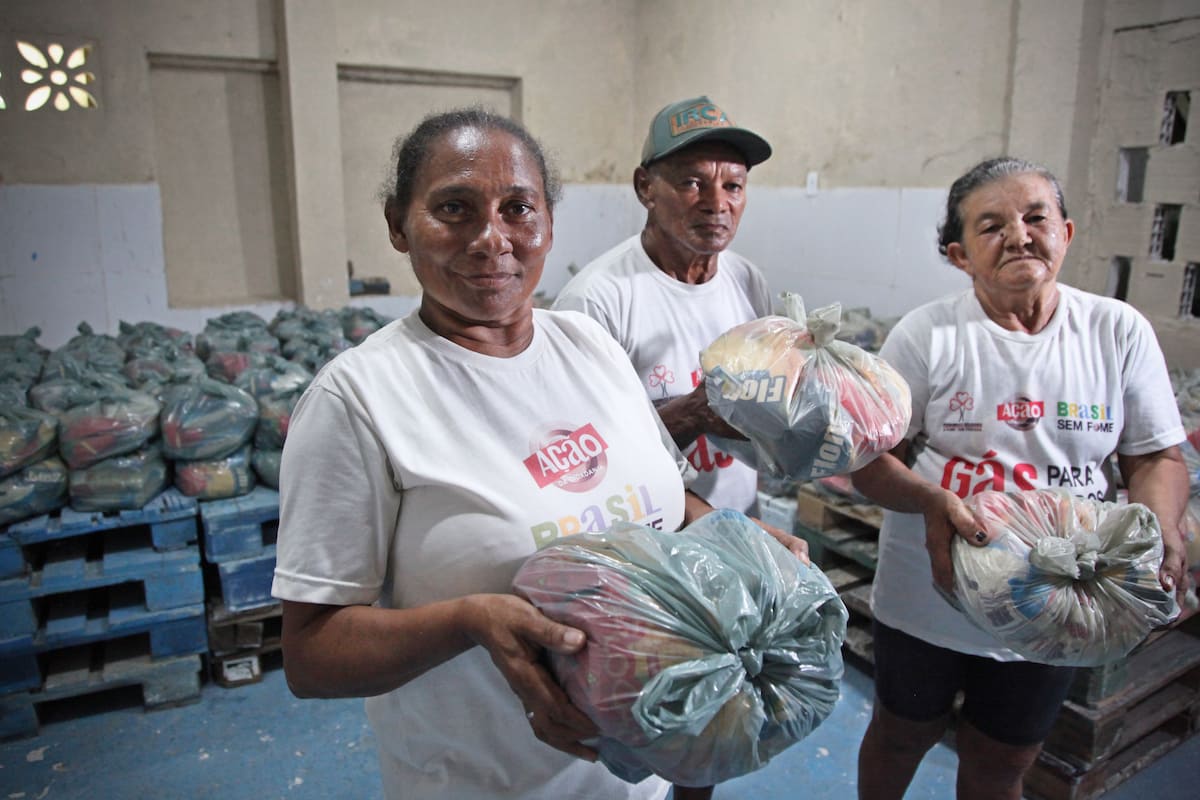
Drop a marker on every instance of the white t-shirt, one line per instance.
(416, 470)
(1004, 410)
(663, 324)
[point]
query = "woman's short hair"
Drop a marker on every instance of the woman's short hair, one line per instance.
(410, 152)
(951, 229)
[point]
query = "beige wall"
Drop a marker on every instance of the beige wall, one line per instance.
(869, 95)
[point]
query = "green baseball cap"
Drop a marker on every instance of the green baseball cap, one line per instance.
(695, 120)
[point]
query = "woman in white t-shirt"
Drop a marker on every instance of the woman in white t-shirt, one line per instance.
(1018, 383)
(425, 465)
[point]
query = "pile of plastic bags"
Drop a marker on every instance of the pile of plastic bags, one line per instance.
(811, 406)
(709, 650)
(1065, 580)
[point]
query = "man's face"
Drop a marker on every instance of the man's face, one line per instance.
(695, 197)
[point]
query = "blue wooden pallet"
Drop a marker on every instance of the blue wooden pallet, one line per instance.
(165, 682)
(246, 582)
(12, 560)
(240, 527)
(168, 579)
(170, 516)
(102, 615)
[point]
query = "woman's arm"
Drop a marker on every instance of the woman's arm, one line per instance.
(891, 484)
(1159, 480)
(361, 651)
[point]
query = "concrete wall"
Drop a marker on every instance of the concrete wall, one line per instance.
(872, 107)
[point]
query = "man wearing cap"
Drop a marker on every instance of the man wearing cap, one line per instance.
(666, 293)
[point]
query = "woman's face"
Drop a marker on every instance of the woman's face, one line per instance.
(477, 230)
(1014, 237)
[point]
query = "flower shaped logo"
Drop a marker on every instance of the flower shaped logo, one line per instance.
(661, 376)
(962, 402)
(55, 78)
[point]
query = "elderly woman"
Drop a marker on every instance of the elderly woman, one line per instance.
(424, 466)
(1004, 376)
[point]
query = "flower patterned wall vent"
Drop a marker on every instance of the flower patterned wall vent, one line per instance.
(55, 80)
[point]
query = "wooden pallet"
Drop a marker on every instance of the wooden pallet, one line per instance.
(165, 578)
(170, 519)
(240, 643)
(164, 683)
(837, 530)
(240, 527)
(106, 615)
(1094, 747)
(243, 584)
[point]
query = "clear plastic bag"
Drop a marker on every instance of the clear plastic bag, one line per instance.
(710, 650)
(1065, 580)
(811, 406)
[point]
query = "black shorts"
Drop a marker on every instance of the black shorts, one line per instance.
(1014, 702)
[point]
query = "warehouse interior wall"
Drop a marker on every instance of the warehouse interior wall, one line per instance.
(232, 153)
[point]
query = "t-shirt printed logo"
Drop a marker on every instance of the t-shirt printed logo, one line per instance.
(573, 460)
(1085, 417)
(1021, 413)
(962, 402)
(660, 377)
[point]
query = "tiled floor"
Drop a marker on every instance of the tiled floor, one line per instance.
(258, 742)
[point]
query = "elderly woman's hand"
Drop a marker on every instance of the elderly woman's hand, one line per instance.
(796, 545)
(945, 516)
(515, 633)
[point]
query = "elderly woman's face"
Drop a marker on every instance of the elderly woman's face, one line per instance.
(478, 228)
(1014, 237)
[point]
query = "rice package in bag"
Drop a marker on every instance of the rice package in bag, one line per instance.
(709, 650)
(1066, 581)
(810, 405)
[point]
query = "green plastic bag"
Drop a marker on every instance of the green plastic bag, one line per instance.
(710, 650)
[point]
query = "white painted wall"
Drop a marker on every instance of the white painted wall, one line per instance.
(71, 254)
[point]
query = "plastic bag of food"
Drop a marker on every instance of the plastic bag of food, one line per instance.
(127, 481)
(216, 478)
(26, 437)
(709, 650)
(1065, 580)
(206, 419)
(810, 405)
(266, 466)
(38, 489)
(118, 422)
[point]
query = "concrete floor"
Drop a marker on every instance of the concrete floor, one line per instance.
(258, 742)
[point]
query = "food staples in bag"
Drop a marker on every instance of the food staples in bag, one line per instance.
(218, 478)
(206, 419)
(125, 482)
(37, 489)
(1064, 580)
(26, 437)
(117, 423)
(709, 650)
(811, 406)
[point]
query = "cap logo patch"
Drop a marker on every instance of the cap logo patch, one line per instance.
(701, 115)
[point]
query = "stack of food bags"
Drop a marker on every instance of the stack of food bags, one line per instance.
(1064, 580)
(810, 406)
(709, 650)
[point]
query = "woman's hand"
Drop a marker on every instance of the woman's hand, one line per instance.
(945, 516)
(796, 545)
(515, 634)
